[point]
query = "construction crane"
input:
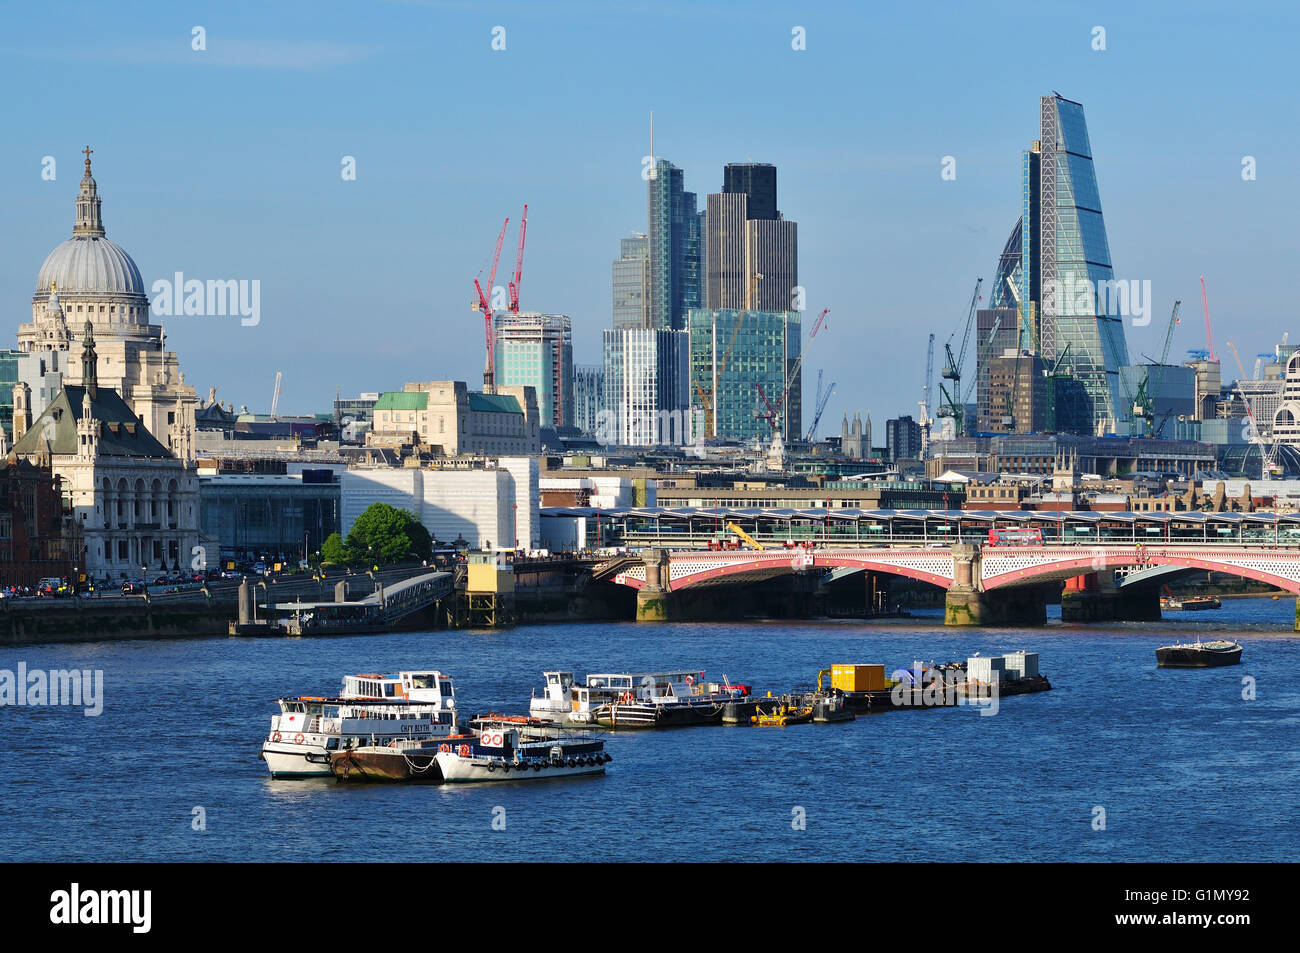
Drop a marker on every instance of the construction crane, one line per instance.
(1149, 391)
(275, 394)
(750, 540)
(1267, 451)
(1205, 306)
(773, 416)
(951, 405)
(926, 420)
(519, 263)
(820, 406)
(484, 305)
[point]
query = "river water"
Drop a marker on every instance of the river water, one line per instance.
(1121, 761)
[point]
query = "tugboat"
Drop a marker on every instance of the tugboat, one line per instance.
(1198, 654)
(783, 713)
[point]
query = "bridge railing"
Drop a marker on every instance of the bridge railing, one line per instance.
(860, 537)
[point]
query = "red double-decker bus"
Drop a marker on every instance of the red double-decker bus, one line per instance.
(1015, 537)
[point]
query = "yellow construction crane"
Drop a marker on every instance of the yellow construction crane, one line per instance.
(745, 536)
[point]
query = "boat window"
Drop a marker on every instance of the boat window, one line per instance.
(424, 681)
(331, 744)
(389, 688)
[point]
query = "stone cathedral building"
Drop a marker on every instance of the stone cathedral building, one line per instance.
(133, 503)
(121, 441)
(89, 278)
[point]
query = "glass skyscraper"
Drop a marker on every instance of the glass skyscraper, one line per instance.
(631, 283)
(1062, 285)
(674, 248)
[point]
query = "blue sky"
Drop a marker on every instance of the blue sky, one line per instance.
(225, 163)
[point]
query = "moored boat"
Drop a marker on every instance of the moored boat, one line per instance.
(634, 700)
(661, 699)
(783, 712)
(372, 711)
(516, 754)
(1198, 654)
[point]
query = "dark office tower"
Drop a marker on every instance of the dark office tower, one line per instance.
(741, 244)
(757, 182)
(674, 250)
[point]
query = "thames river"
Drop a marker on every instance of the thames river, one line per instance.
(1121, 761)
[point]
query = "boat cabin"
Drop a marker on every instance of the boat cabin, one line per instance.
(424, 687)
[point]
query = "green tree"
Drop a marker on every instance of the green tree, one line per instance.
(385, 534)
(333, 550)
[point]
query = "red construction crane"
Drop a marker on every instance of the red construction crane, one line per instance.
(484, 305)
(1205, 305)
(519, 262)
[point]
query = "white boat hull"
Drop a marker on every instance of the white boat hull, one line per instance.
(456, 769)
(287, 760)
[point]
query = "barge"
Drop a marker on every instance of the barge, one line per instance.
(1198, 654)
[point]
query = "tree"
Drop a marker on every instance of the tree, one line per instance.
(333, 550)
(385, 534)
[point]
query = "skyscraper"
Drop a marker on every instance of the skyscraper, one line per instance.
(631, 283)
(536, 350)
(748, 332)
(1062, 286)
(674, 247)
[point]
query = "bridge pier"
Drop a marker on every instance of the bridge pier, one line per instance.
(654, 601)
(967, 603)
(1094, 597)
(1022, 605)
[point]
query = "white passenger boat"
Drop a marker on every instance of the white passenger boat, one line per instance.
(634, 700)
(372, 709)
(512, 754)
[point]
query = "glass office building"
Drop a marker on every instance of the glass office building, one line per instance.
(536, 350)
(674, 248)
(1062, 285)
(631, 283)
(646, 377)
(588, 396)
(732, 354)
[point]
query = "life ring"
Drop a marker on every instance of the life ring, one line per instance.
(464, 751)
(276, 736)
(298, 739)
(444, 749)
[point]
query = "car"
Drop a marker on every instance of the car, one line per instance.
(133, 587)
